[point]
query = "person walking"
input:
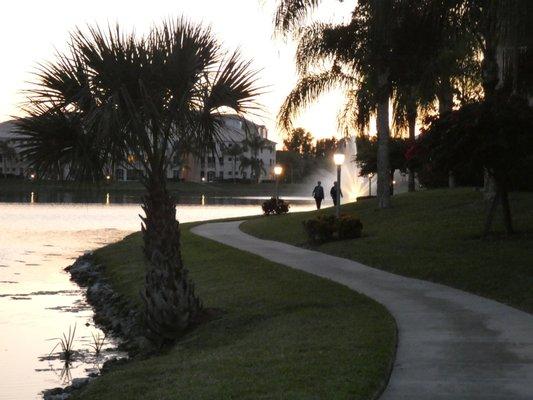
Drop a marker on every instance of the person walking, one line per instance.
(318, 194)
(333, 193)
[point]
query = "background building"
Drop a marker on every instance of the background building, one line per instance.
(222, 164)
(10, 162)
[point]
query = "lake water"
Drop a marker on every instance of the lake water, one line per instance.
(39, 303)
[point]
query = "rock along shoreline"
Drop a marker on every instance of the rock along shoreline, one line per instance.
(116, 316)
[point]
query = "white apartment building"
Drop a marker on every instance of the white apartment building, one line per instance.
(219, 166)
(213, 167)
(10, 163)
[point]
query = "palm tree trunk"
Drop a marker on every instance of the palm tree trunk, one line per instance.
(501, 195)
(412, 127)
(383, 167)
(490, 214)
(170, 302)
(506, 209)
(490, 81)
(445, 97)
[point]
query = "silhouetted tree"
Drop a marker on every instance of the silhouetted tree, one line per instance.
(138, 99)
(300, 141)
(234, 151)
(494, 135)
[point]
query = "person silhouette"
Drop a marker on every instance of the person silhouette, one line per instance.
(333, 193)
(318, 194)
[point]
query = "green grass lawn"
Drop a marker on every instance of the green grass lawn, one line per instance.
(432, 235)
(283, 333)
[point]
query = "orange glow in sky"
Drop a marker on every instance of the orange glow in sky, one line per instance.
(32, 29)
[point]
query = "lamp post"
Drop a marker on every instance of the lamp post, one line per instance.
(278, 169)
(370, 176)
(338, 159)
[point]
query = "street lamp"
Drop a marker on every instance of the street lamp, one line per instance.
(278, 169)
(370, 176)
(338, 159)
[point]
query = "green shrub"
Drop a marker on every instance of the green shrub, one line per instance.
(320, 229)
(275, 206)
(349, 227)
(325, 228)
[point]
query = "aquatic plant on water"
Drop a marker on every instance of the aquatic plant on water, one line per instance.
(66, 342)
(98, 342)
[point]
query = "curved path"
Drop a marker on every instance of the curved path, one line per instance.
(451, 344)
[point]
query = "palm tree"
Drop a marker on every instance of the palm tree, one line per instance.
(138, 100)
(437, 54)
(256, 165)
(234, 151)
(254, 143)
(500, 26)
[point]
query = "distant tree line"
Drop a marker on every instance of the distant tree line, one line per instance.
(301, 155)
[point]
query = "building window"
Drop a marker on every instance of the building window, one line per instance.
(120, 174)
(175, 173)
(221, 175)
(134, 174)
(230, 173)
(221, 160)
(210, 162)
(230, 159)
(244, 175)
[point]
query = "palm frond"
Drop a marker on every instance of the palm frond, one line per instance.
(356, 112)
(307, 90)
(290, 13)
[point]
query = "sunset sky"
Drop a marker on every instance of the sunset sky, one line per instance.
(31, 30)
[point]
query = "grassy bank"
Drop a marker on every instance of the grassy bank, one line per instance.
(432, 235)
(283, 333)
(134, 187)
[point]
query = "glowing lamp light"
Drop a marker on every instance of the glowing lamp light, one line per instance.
(394, 182)
(338, 158)
(278, 170)
(108, 177)
(32, 176)
(203, 178)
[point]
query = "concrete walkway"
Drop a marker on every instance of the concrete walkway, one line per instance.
(452, 345)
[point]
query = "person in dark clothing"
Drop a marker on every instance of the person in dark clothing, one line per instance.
(318, 194)
(333, 193)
